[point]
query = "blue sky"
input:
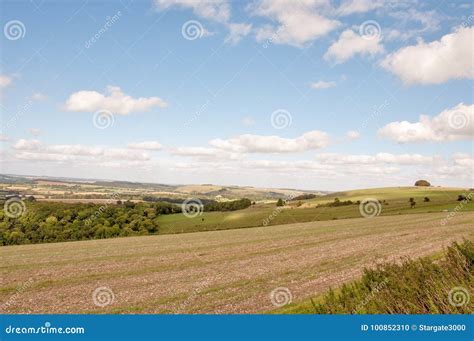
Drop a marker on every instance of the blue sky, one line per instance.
(196, 91)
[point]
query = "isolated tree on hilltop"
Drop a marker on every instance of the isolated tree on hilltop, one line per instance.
(422, 183)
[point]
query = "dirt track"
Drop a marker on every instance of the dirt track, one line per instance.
(231, 271)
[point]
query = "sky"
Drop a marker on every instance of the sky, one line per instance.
(316, 95)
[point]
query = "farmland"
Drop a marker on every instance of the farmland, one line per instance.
(213, 261)
(232, 271)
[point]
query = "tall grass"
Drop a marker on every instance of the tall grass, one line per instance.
(422, 286)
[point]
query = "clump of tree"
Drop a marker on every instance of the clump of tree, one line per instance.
(412, 202)
(280, 203)
(426, 199)
(228, 205)
(45, 222)
(422, 286)
(422, 183)
(337, 202)
(304, 197)
(462, 197)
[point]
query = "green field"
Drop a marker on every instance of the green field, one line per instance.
(441, 199)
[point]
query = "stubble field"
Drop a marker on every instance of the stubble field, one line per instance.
(232, 271)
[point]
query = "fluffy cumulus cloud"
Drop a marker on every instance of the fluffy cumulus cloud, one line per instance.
(237, 32)
(436, 62)
(146, 145)
(296, 23)
(114, 101)
(215, 10)
(350, 44)
(322, 85)
(456, 123)
(249, 143)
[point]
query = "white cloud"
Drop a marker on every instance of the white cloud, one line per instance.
(237, 32)
(353, 135)
(218, 10)
(463, 160)
(380, 158)
(297, 22)
(205, 153)
(215, 10)
(248, 121)
(38, 96)
(350, 43)
(5, 81)
(436, 62)
(322, 85)
(116, 102)
(456, 123)
(349, 7)
(23, 144)
(43, 157)
(35, 150)
(35, 131)
(273, 144)
(146, 145)
(4, 138)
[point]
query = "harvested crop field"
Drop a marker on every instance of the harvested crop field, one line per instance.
(231, 271)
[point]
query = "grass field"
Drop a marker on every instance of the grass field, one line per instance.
(232, 271)
(441, 199)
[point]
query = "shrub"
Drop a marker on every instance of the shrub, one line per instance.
(422, 183)
(420, 286)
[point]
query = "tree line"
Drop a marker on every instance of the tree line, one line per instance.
(45, 222)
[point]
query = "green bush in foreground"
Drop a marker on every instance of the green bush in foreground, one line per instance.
(421, 286)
